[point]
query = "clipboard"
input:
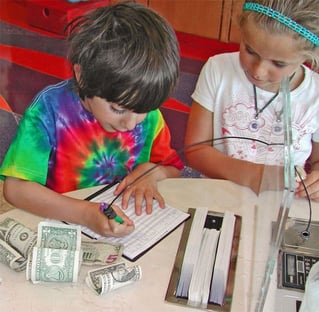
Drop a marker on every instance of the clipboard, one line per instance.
(149, 229)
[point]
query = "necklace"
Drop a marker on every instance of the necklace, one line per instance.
(259, 111)
(255, 124)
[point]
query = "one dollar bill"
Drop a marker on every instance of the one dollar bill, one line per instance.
(11, 257)
(53, 265)
(56, 257)
(108, 278)
(16, 243)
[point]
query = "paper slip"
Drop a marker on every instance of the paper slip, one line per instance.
(220, 277)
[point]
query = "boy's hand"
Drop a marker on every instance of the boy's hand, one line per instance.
(144, 189)
(101, 224)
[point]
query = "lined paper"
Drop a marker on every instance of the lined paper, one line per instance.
(149, 228)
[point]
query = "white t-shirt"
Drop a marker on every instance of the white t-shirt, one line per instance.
(223, 88)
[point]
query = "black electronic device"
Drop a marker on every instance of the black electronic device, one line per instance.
(295, 269)
(297, 254)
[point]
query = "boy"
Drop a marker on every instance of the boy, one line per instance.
(102, 126)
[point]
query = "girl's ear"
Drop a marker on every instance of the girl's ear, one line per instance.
(77, 72)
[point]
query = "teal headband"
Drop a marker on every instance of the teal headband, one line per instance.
(304, 32)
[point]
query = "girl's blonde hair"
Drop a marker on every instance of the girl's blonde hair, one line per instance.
(304, 12)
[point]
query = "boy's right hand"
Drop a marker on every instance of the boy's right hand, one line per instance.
(101, 224)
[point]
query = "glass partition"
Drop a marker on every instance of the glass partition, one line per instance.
(263, 216)
(272, 209)
(272, 204)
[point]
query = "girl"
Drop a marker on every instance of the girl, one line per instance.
(237, 95)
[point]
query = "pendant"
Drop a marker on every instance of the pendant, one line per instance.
(277, 128)
(254, 125)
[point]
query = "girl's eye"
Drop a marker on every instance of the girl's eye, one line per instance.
(250, 51)
(280, 64)
(118, 111)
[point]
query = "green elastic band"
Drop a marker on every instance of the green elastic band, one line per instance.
(304, 32)
(110, 213)
(118, 219)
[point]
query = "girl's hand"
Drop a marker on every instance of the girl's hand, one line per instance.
(312, 184)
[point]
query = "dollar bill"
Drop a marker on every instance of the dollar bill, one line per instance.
(57, 255)
(93, 276)
(11, 257)
(18, 236)
(100, 253)
(16, 242)
(59, 236)
(120, 278)
(54, 265)
(5, 225)
(108, 278)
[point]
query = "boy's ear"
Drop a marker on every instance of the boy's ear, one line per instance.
(77, 72)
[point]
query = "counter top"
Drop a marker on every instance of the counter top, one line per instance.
(18, 294)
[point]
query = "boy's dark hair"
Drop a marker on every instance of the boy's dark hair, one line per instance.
(128, 55)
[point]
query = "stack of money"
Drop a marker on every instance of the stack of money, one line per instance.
(111, 277)
(55, 253)
(16, 243)
(56, 257)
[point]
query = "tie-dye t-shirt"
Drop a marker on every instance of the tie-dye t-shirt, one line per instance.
(61, 145)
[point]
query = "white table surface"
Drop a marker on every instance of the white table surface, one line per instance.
(148, 294)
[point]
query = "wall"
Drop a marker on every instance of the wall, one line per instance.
(214, 19)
